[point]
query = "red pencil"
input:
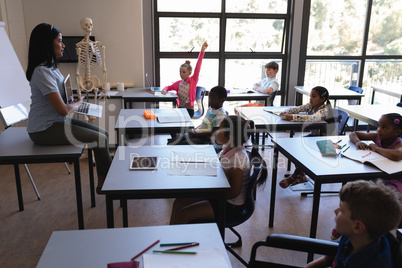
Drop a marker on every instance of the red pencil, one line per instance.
(139, 254)
(186, 246)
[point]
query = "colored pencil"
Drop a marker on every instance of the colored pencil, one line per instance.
(186, 246)
(139, 254)
(176, 244)
(174, 252)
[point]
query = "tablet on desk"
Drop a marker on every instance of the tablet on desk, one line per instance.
(144, 163)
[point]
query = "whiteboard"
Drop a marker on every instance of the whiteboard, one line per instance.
(15, 91)
(14, 87)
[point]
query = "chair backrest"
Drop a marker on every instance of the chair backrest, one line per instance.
(248, 207)
(271, 98)
(199, 99)
(399, 104)
(337, 127)
(355, 89)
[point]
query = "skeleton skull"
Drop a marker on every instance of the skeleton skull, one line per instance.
(86, 25)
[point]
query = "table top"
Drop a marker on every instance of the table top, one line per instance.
(334, 93)
(15, 144)
(133, 119)
(265, 117)
(120, 179)
(370, 113)
(305, 152)
(97, 248)
(239, 94)
(144, 93)
(392, 90)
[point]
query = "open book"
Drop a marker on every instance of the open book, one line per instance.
(381, 162)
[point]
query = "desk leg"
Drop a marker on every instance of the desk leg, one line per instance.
(123, 204)
(314, 214)
(18, 184)
(222, 215)
(273, 188)
(78, 193)
(109, 212)
(91, 178)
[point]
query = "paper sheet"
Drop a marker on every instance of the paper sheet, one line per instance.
(192, 169)
(211, 258)
(191, 164)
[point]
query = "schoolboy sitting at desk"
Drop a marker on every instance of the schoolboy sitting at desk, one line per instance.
(211, 121)
(367, 211)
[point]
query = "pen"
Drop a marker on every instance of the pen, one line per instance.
(366, 154)
(174, 252)
(139, 254)
(338, 154)
(338, 141)
(176, 244)
(346, 149)
(186, 246)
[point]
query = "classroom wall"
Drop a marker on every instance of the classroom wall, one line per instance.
(117, 25)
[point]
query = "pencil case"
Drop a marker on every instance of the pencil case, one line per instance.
(326, 147)
(128, 264)
(149, 114)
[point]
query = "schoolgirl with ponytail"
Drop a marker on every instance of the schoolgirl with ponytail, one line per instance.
(318, 109)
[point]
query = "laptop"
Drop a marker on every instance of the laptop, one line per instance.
(153, 89)
(86, 108)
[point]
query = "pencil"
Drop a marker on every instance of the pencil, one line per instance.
(346, 149)
(176, 244)
(366, 154)
(174, 252)
(186, 246)
(139, 254)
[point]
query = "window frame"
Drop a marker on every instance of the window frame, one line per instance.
(221, 55)
(361, 58)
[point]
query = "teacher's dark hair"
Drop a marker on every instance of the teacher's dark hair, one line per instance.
(41, 48)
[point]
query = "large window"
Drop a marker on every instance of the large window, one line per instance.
(243, 35)
(349, 42)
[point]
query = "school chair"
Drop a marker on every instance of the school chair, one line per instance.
(258, 168)
(199, 98)
(311, 245)
(357, 90)
(399, 104)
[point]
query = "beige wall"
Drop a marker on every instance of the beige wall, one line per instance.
(117, 25)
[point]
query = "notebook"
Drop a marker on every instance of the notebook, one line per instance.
(152, 88)
(85, 108)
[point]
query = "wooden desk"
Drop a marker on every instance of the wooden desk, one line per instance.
(17, 148)
(143, 95)
(133, 121)
(122, 183)
(334, 94)
(97, 248)
(304, 153)
(369, 114)
(394, 91)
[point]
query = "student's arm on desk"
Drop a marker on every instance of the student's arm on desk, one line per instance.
(358, 137)
(264, 90)
(392, 154)
(206, 134)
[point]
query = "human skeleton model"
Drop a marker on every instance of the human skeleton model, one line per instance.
(90, 53)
